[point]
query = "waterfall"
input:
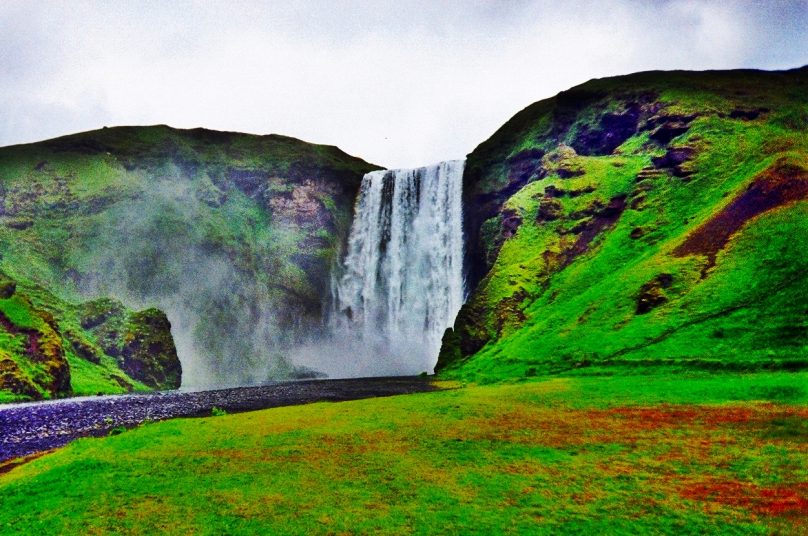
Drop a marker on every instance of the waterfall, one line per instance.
(401, 282)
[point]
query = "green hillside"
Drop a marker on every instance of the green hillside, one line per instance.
(51, 348)
(232, 235)
(659, 218)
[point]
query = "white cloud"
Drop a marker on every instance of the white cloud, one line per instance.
(398, 83)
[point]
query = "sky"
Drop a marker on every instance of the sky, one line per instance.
(400, 83)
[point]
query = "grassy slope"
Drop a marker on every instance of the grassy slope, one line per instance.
(746, 308)
(67, 351)
(665, 454)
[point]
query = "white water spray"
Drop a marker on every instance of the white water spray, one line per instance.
(401, 283)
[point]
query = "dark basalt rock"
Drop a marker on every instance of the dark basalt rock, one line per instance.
(449, 349)
(20, 224)
(510, 223)
(7, 287)
(674, 159)
(45, 349)
(248, 181)
(82, 348)
(613, 129)
(783, 182)
(667, 127)
(96, 312)
(581, 191)
(526, 165)
(568, 172)
(747, 115)
(637, 233)
(13, 379)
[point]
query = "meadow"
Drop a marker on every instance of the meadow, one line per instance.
(662, 453)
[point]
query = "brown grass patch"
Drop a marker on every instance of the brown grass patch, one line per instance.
(767, 501)
(784, 182)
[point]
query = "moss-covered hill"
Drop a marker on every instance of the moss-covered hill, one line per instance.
(655, 218)
(52, 348)
(232, 235)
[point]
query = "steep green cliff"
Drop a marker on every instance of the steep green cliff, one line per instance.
(232, 235)
(659, 218)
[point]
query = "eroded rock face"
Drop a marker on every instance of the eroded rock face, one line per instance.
(42, 348)
(612, 130)
(148, 353)
(652, 294)
(302, 206)
(14, 380)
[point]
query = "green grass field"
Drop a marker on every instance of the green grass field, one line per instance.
(650, 454)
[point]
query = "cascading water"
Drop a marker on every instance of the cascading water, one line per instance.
(401, 283)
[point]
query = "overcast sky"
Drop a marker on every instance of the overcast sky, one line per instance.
(400, 83)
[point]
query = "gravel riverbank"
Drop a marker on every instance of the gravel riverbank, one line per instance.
(33, 427)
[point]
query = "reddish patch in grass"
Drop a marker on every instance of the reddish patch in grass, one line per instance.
(709, 416)
(782, 183)
(774, 501)
(6, 467)
(657, 417)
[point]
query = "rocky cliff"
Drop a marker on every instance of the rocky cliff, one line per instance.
(231, 235)
(658, 218)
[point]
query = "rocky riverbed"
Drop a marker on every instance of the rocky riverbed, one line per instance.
(34, 427)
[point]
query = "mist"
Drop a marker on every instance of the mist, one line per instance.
(230, 326)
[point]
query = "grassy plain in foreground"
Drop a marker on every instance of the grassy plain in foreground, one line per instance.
(667, 453)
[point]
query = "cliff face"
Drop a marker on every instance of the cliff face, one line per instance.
(232, 235)
(656, 218)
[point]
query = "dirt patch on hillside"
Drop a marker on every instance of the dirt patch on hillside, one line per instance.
(782, 183)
